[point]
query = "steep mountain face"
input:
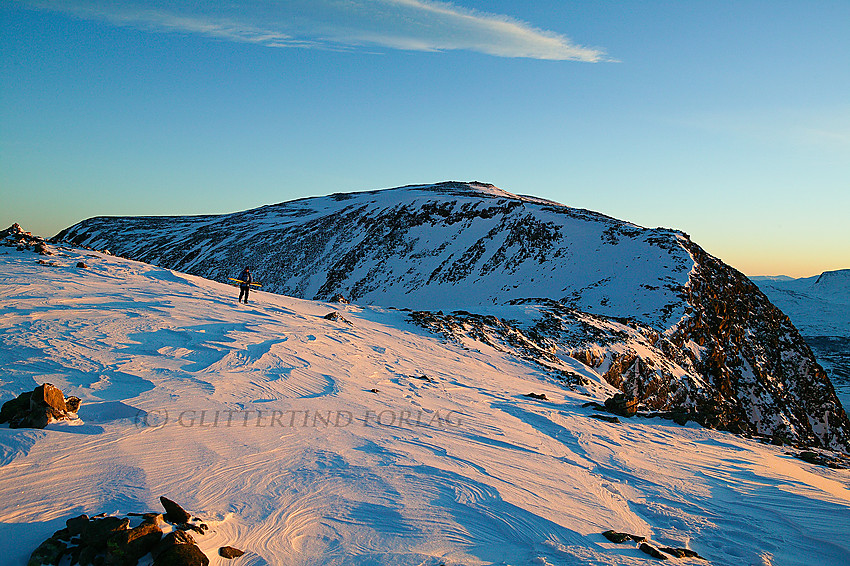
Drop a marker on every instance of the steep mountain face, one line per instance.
(819, 307)
(586, 295)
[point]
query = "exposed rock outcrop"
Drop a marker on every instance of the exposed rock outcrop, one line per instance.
(39, 407)
(336, 317)
(229, 552)
(15, 236)
(173, 512)
(111, 541)
(645, 546)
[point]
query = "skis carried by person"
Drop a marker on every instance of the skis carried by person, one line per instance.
(240, 281)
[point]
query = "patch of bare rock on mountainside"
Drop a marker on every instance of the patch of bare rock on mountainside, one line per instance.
(646, 310)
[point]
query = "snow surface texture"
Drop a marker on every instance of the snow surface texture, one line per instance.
(663, 321)
(819, 306)
(461, 468)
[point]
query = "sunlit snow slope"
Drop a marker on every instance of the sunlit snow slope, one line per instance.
(461, 468)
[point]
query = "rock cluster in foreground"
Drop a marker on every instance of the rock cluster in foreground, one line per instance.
(38, 408)
(110, 541)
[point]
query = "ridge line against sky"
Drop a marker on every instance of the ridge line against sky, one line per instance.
(410, 25)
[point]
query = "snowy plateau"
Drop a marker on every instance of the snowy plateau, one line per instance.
(399, 428)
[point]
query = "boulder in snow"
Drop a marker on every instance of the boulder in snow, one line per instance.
(37, 408)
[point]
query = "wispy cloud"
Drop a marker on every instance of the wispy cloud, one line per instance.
(416, 25)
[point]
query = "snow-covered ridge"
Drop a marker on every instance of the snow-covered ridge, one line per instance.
(702, 337)
(421, 247)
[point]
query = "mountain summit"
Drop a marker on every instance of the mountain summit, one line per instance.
(646, 311)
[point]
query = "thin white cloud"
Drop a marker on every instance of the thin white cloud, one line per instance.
(416, 25)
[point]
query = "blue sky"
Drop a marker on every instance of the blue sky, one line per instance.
(728, 120)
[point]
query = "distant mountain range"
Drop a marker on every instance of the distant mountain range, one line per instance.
(818, 305)
(584, 295)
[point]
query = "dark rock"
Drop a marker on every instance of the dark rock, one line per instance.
(171, 539)
(31, 419)
(374, 390)
(35, 409)
(182, 555)
(77, 525)
(14, 406)
(74, 552)
(126, 547)
(680, 552)
(173, 512)
(622, 405)
(680, 417)
(98, 531)
(593, 404)
(540, 396)
(48, 552)
(339, 299)
(652, 551)
(200, 529)
(810, 457)
(606, 418)
(88, 554)
(836, 461)
(82, 265)
(179, 537)
(336, 317)
(49, 396)
(73, 404)
(229, 552)
(423, 378)
(614, 536)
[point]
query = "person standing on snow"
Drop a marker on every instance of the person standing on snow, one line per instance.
(244, 284)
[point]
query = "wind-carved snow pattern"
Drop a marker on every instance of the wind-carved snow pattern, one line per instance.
(647, 310)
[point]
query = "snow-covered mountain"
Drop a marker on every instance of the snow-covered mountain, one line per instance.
(819, 307)
(579, 292)
(305, 440)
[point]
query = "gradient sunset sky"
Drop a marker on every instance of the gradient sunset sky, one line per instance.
(729, 120)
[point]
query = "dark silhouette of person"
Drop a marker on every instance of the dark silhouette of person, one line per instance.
(245, 284)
